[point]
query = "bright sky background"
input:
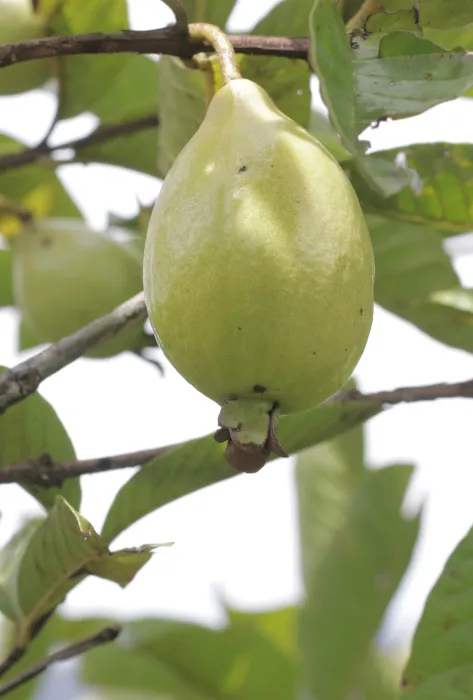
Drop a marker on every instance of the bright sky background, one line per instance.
(226, 545)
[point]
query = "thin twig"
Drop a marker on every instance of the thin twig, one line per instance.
(45, 473)
(158, 41)
(21, 381)
(180, 15)
(100, 135)
(106, 635)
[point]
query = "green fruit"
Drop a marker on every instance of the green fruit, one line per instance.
(258, 268)
(65, 276)
(18, 22)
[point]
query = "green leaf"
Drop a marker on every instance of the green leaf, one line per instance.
(415, 280)
(62, 550)
(132, 95)
(37, 188)
(383, 678)
(121, 567)
(406, 76)
(6, 292)
(446, 315)
(410, 262)
(331, 57)
(183, 104)
(208, 11)
(136, 151)
(324, 132)
(355, 582)
(332, 60)
(84, 79)
(236, 662)
(27, 337)
(279, 626)
(135, 675)
(11, 552)
(437, 13)
(443, 644)
(326, 476)
(440, 194)
(38, 649)
(455, 684)
(31, 430)
(199, 463)
(287, 81)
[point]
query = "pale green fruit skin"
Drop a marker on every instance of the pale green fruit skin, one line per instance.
(65, 276)
(19, 23)
(258, 266)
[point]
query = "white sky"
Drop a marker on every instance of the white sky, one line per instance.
(224, 548)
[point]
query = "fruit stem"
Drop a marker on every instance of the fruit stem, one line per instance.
(368, 7)
(223, 48)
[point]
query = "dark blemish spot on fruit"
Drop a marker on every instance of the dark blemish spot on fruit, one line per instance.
(361, 312)
(46, 242)
(258, 389)
(239, 328)
(243, 169)
(346, 349)
(314, 353)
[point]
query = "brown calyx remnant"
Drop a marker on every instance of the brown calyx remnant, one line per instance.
(250, 458)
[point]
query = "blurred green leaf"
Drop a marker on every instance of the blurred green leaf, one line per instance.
(58, 554)
(27, 337)
(383, 678)
(402, 20)
(440, 662)
(31, 429)
(279, 626)
(84, 79)
(137, 151)
(410, 262)
(9, 555)
(208, 11)
(326, 477)
(132, 95)
(438, 13)
(38, 648)
(235, 662)
(183, 104)
(287, 81)
(416, 280)
(135, 675)
(37, 188)
(441, 191)
(198, 463)
(322, 129)
(6, 292)
(355, 581)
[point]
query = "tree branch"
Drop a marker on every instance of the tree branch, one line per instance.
(45, 473)
(23, 380)
(159, 41)
(106, 635)
(100, 135)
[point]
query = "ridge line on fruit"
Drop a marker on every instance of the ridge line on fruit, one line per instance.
(258, 268)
